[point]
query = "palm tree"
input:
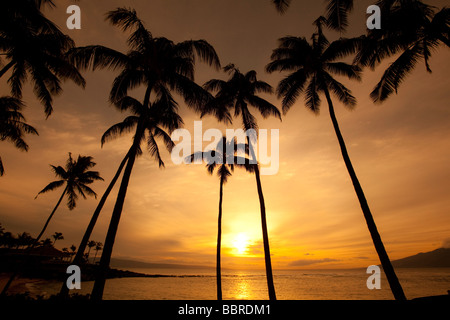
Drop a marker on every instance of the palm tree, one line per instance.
(162, 66)
(312, 66)
(90, 245)
(412, 30)
(34, 47)
(78, 259)
(76, 178)
(238, 93)
(98, 247)
(12, 125)
(223, 161)
(57, 236)
(148, 123)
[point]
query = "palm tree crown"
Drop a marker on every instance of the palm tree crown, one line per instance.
(156, 62)
(12, 125)
(412, 30)
(35, 47)
(237, 93)
(312, 65)
(76, 176)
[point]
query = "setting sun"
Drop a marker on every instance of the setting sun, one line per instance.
(240, 244)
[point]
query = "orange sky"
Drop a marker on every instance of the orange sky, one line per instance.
(400, 151)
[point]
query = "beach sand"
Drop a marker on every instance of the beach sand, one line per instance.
(19, 285)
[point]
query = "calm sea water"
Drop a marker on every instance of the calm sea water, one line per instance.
(192, 284)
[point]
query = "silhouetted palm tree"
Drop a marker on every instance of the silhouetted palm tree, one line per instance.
(90, 245)
(76, 177)
(57, 236)
(161, 66)
(312, 66)
(238, 93)
(12, 125)
(223, 159)
(34, 47)
(410, 29)
(79, 256)
(98, 247)
(148, 123)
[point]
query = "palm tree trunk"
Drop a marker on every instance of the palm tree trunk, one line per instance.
(87, 235)
(219, 245)
(99, 285)
(49, 218)
(6, 68)
(394, 283)
(267, 259)
(11, 279)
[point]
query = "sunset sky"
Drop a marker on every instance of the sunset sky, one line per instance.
(400, 150)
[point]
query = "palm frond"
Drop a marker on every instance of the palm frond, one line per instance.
(126, 125)
(340, 91)
(205, 52)
(264, 107)
(96, 57)
(281, 5)
(396, 73)
(51, 186)
(290, 88)
(152, 147)
(312, 99)
(350, 71)
(337, 14)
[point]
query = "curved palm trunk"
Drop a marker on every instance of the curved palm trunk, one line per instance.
(49, 218)
(11, 279)
(394, 283)
(99, 285)
(267, 259)
(87, 235)
(219, 244)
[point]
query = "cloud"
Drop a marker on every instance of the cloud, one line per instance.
(307, 262)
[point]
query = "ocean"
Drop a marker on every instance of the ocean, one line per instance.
(200, 284)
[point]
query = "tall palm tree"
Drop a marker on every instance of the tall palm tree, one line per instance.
(159, 64)
(238, 93)
(35, 48)
(148, 123)
(57, 236)
(312, 66)
(223, 158)
(412, 30)
(12, 125)
(76, 177)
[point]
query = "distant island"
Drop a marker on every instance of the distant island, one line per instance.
(439, 258)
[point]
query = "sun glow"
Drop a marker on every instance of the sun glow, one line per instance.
(241, 243)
